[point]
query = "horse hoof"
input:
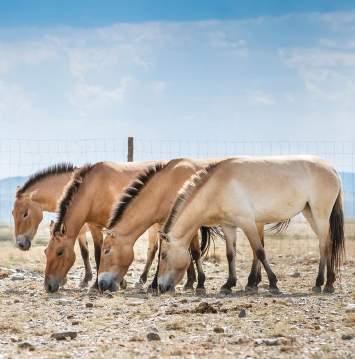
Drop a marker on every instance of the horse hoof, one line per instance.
(274, 290)
(83, 284)
(328, 290)
(93, 290)
(123, 284)
(200, 291)
(188, 288)
(317, 289)
(225, 290)
(251, 290)
(152, 290)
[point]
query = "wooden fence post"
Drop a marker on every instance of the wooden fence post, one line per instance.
(130, 149)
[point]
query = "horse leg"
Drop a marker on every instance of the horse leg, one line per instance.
(254, 277)
(191, 277)
(153, 238)
(196, 256)
(98, 239)
(84, 250)
(251, 231)
(230, 234)
(322, 235)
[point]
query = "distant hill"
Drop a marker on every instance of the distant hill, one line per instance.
(8, 190)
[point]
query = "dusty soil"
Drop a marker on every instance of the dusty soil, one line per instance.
(294, 324)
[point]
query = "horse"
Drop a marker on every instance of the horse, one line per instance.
(148, 200)
(88, 198)
(40, 193)
(246, 193)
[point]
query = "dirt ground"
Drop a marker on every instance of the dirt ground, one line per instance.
(132, 323)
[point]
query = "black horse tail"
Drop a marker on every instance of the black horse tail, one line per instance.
(208, 234)
(336, 232)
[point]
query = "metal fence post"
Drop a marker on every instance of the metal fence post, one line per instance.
(130, 149)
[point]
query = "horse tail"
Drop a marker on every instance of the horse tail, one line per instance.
(336, 232)
(279, 227)
(208, 233)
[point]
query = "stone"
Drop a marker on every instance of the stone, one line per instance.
(26, 345)
(89, 305)
(153, 336)
(17, 276)
(242, 313)
(64, 335)
(347, 336)
(350, 308)
(218, 330)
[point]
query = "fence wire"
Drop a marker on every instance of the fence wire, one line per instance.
(22, 157)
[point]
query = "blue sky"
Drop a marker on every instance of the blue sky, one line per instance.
(233, 70)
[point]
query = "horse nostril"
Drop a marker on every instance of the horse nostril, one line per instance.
(103, 285)
(21, 245)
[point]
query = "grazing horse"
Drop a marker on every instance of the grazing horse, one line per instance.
(40, 193)
(247, 193)
(88, 198)
(147, 200)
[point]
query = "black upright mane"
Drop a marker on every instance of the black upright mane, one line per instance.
(191, 186)
(54, 170)
(68, 194)
(131, 192)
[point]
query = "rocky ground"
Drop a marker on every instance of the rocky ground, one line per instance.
(132, 323)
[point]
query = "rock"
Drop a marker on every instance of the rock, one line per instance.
(218, 330)
(153, 336)
(295, 274)
(64, 335)
(63, 301)
(3, 275)
(26, 345)
(350, 308)
(136, 339)
(89, 305)
(347, 336)
(204, 308)
(268, 341)
(75, 322)
(17, 276)
(242, 313)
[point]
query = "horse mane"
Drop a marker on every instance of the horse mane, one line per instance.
(53, 170)
(132, 191)
(71, 189)
(190, 188)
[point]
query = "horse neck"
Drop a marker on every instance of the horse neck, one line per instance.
(199, 210)
(48, 191)
(79, 210)
(149, 207)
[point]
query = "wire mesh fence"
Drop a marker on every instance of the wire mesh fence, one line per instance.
(20, 158)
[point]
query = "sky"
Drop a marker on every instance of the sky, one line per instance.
(215, 70)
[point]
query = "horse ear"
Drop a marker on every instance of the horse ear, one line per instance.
(32, 194)
(62, 229)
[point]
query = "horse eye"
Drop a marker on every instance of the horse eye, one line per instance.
(163, 256)
(107, 250)
(25, 214)
(60, 252)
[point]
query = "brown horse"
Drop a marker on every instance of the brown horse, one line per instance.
(247, 193)
(40, 193)
(147, 200)
(88, 197)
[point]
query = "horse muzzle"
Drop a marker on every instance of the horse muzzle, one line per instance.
(51, 285)
(107, 281)
(23, 242)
